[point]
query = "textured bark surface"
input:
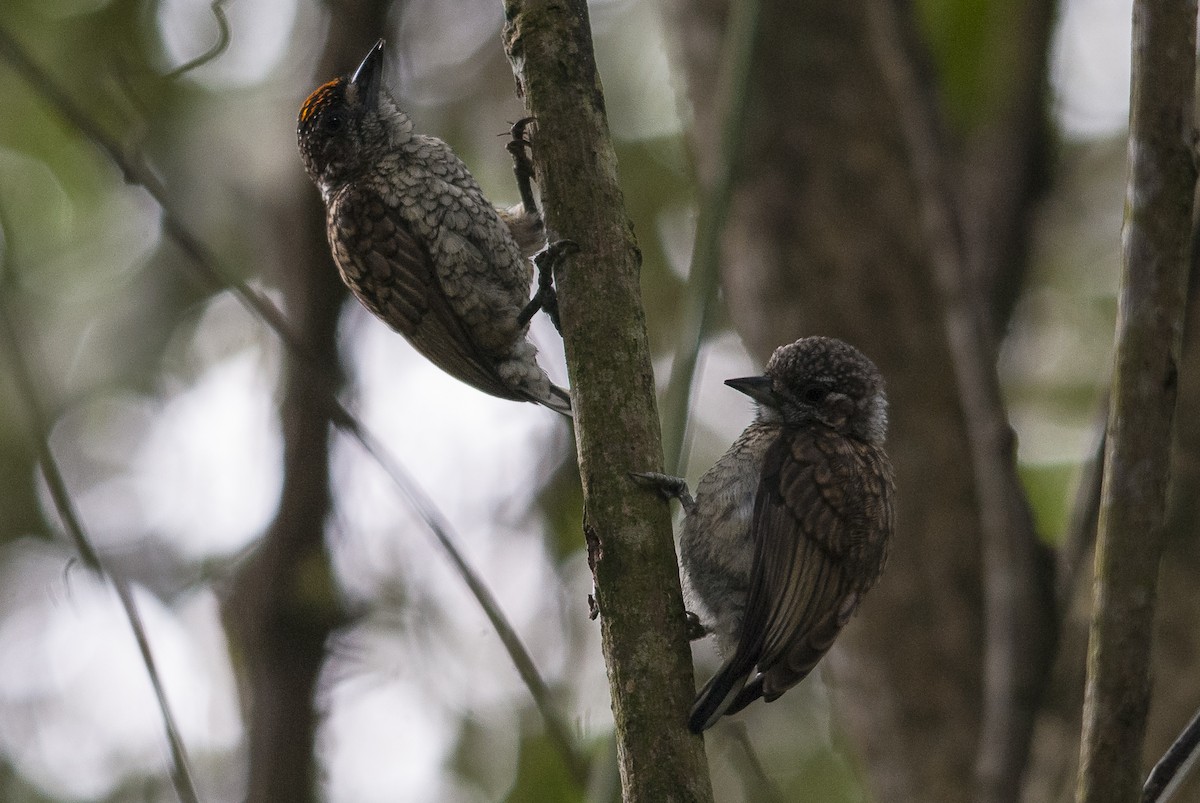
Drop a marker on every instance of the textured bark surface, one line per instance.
(826, 239)
(1129, 543)
(628, 530)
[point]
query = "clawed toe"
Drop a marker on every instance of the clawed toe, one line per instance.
(519, 147)
(667, 487)
(694, 628)
(546, 298)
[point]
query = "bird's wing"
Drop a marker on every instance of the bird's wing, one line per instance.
(390, 270)
(820, 526)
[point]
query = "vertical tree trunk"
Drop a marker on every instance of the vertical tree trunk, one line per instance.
(1129, 546)
(628, 530)
(283, 605)
(825, 238)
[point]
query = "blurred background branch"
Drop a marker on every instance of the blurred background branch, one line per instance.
(218, 12)
(181, 772)
(732, 89)
(1017, 577)
(282, 606)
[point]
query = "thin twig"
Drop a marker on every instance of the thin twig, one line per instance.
(437, 525)
(207, 266)
(217, 49)
(181, 774)
(700, 302)
(1166, 776)
(757, 783)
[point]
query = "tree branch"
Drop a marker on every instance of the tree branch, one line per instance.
(1162, 179)
(1165, 775)
(628, 531)
(181, 773)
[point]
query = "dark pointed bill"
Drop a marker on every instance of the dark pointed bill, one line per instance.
(756, 387)
(369, 73)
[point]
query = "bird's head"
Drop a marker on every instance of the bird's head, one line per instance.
(348, 123)
(820, 380)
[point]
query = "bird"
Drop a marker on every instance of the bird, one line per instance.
(419, 245)
(791, 528)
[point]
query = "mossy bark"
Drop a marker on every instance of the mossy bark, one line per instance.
(628, 530)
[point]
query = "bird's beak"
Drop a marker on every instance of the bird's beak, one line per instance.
(368, 75)
(756, 387)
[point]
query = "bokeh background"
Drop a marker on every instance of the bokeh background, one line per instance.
(167, 401)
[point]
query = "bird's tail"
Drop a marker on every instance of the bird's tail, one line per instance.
(722, 693)
(559, 401)
(749, 693)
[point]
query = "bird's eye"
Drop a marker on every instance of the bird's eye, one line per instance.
(814, 394)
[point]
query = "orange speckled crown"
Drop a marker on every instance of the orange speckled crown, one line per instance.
(319, 98)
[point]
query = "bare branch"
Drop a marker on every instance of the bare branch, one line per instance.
(1165, 776)
(628, 530)
(181, 774)
(1129, 545)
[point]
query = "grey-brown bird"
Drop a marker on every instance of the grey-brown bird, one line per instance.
(790, 528)
(416, 241)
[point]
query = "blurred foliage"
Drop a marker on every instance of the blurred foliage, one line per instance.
(109, 311)
(825, 777)
(1049, 488)
(540, 777)
(968, 40)
(656, 180)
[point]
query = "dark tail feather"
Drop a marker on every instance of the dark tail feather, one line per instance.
(723, 690)
(557, 400)
(749, 693)
(755, 688)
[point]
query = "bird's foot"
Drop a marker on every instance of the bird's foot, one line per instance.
(520, 147)
(694, 628)
(546, 298)
(667, 487)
